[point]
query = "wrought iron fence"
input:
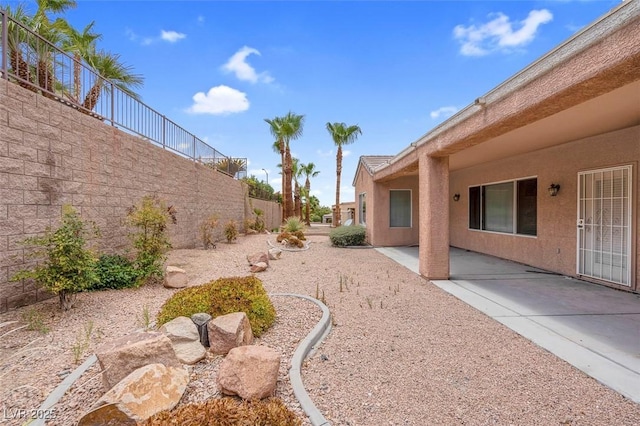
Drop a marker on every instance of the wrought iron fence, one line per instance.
(36, 64)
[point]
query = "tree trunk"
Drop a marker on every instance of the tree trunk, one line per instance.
(288, 196)
(297, 206)
(76, 77)
(284, 203)
(91, 99)
(20, 69)
(307, 187)
(45, 79)
(336, 215)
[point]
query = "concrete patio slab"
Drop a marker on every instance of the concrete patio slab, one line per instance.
(594, 328)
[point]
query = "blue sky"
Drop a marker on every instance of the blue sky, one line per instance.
(396, 69)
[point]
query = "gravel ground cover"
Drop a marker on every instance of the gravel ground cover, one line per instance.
(401, 351)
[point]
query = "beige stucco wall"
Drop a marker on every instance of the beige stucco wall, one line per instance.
(379, 233)
(554, 248)
(52, 155)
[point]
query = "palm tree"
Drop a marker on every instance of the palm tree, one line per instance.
(276, 128)
(232, 166)
(109, 67)
(341, 135)
(81, 45)
(285, 129)
(296, 172)
(16, 37)
(309, 170)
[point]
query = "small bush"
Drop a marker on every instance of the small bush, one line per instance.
(221, 297)
(344, 236)
(231, 231)
(208, 231)
(66, 267)
(259, 224)
(293, 224)
(114, 272)
(283, 236)
(227, 411)
(150, 239)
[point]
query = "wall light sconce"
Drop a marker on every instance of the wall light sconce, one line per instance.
(456, 197)
(553, 189)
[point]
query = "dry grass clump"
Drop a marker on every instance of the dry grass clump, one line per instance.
(228, 412)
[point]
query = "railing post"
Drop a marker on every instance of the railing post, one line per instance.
(164, 132)
(113, 105)
(5, 45)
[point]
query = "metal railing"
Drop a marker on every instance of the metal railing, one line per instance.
(31, 61)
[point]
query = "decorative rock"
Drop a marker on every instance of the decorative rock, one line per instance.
(175, 277)
(120, 357)
(229, 331)
(259, 267)
(257, 258)
(201, 320)
(274, 253)
(105, 415)
(145, 392)
(250, 372)
(185, 340)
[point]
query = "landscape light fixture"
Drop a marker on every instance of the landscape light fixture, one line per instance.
(553, 189)
(265, 172)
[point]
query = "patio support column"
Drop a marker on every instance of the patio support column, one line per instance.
(434, 216)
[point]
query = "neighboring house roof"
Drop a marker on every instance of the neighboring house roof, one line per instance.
(371, 163)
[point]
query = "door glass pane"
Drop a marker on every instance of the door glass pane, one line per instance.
(474, 207)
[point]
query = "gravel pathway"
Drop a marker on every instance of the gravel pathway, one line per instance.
(401, 351)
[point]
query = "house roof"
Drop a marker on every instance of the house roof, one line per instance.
(371, 163)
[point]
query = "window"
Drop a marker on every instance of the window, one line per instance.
(507, 207)
(400, 208)
(362, 208)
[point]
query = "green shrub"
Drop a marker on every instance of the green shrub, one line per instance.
(227, 411)
(293, 224)
(150, 239)
(114, 272)
(344, 236)
(259, 224)
(66, 267)
(208, 231)
(231, 231)
(220, 297)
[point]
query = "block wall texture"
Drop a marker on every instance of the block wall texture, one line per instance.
(52, 155)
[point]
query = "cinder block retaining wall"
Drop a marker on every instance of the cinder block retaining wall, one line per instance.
(52, 155)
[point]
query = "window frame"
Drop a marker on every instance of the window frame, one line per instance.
(362, 208)
(410, 208)
(480, 205)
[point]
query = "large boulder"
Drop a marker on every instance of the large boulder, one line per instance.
(185, 339)
(229, 331)
(143, 393)
(120, 357)
(175, 277)
(257, 258)
(251, 372)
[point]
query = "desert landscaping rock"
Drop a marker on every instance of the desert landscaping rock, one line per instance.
(185, 340)
(229, 331)
(260, 257)
(147, 391)
(251, 372)
(274, 253)
(108, 415)
(258, 267)
(175, 277)
(120, 357)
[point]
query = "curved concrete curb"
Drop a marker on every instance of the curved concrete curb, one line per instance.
(305, 248)
(314, 338)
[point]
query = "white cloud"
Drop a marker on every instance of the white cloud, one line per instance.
(238, 65)
(219, 100)
(446, 111)
(275, 181)
(316, 192)
(168, 36)
(499, 34)
(325, 154)
(346, 153)
(171, 36)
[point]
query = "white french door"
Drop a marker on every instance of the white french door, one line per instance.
(604, 224)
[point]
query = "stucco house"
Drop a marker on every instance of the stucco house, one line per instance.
(542, 170)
